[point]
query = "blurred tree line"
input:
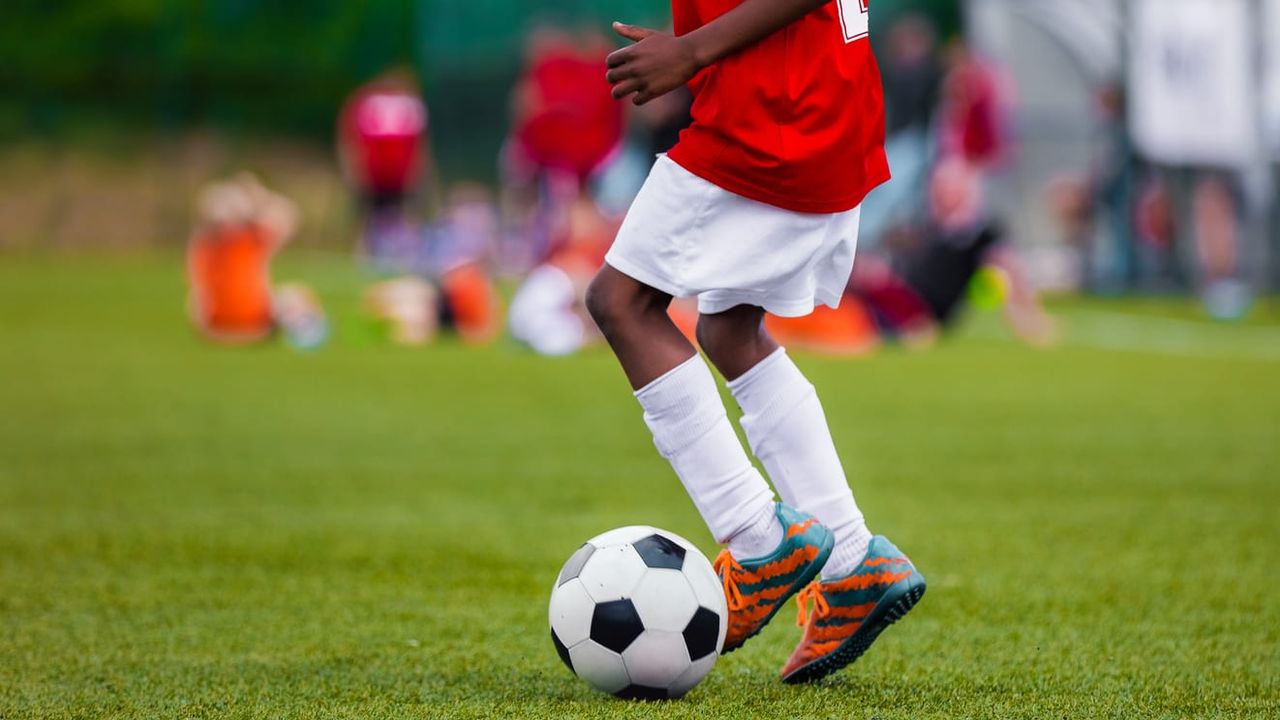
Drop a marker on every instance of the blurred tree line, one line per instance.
(282, 66)
(279, 65)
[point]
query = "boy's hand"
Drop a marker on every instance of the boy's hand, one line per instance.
(655, 65)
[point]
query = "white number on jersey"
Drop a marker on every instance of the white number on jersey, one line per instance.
(854, 17)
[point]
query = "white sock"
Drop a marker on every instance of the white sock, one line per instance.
(684, 411)
(787, 429)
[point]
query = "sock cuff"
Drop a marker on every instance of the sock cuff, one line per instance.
(759, 535)
(849, 552)
(744, 381)
(682, 406)
(660, 390)
(769, 392)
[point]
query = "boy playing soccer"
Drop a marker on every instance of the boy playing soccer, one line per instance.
(755, 210)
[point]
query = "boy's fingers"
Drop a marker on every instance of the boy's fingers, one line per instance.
(631, 32)
(618, 74)
(625, 88)
(618, 57)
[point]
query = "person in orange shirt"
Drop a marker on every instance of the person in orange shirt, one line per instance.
(241, 226)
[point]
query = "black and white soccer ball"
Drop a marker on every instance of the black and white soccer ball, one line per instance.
(639, 613)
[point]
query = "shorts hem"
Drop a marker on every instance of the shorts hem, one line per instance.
(633, 271)
(721, 301)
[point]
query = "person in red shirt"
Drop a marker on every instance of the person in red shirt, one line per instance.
(564, 120)
(565, 130)
(756, 210)
(382, 145)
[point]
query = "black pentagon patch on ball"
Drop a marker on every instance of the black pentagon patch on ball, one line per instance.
(660, 552)
(701, 634)
(641, 692)
(574, 564)
(616, 625)
(562, 651)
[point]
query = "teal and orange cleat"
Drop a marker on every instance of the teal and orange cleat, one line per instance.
(756, 589)
(851, 612)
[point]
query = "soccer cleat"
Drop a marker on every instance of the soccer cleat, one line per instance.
(851, 612)
(755, 590)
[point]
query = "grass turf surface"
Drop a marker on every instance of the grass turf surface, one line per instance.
(369, 532)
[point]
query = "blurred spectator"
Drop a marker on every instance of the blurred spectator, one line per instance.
(408, 308)
(413, 310)
(1218, 248)
(471, 305)
(912, 74)
(1195, 116)
(383, 149)
(946, 254)
(241, 225)
(466, 233)
(972, 110)
(565, 126)
(933, 270)
(564, 119)
(460, 251)
(448, 285)
(548, 312)
(1100, 223)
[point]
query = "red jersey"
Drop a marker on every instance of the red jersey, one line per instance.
(574, 123)
(796, 120)
(385, 130)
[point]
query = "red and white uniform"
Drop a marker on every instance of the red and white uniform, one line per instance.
(759, 202)
(795, 121)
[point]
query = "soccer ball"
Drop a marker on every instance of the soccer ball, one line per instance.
(638, 613)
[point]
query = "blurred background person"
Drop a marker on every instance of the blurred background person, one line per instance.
(565, 127)
(938, 260)
(911, 69)
(916, 285)
(384, 154)
(1195, 119)
(548, 311)
(240, 226)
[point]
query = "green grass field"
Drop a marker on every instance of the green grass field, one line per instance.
(370, 532)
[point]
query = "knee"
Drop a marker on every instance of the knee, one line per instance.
(601, 302)
(730, 337)
(709, 339)
(719, 339)
(613, 300)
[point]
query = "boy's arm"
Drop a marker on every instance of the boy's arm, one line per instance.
(658, 62)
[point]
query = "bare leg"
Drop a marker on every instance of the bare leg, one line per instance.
(735, 340)
(633, 318)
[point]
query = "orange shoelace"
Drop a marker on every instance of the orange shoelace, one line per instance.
(726, 567)
(820, 607)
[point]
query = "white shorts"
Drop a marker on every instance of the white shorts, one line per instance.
(688, 237)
